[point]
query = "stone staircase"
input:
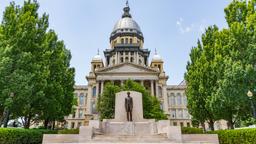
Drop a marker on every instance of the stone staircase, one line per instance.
(130, 139)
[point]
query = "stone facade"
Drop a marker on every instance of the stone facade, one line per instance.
(127, 59)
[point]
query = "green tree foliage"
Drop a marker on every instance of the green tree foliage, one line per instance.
(223, 68)
(106, 103)
(34, 66)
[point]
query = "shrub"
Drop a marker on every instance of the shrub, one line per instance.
(241, 136)
(190, 130)
(69, 131)
(22, 136)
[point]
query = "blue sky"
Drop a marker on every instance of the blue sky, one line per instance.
(170, 26)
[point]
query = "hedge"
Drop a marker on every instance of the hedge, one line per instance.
(190, 130)
(69, 131)
(22, 136)
(240, 136)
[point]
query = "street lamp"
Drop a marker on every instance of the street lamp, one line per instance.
(250, 95)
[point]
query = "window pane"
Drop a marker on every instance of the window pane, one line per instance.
(173, 113)
(178, 99)
(81, 113)
(94, 92)
(81, 99)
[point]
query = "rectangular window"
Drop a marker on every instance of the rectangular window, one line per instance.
(74, 114)
(185, 101)
(179, 99)
(173, 102)
(81, 99)
(181, 124)
(180, 113)
(94, 91)
(188, 124)
(173, 113)
(169, 100)
(81, 113)
(79, 124)
(72, 125)
(174, 123)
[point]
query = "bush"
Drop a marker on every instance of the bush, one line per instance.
(190, 130)
(22, 136)
(69, 131)
(241, 136)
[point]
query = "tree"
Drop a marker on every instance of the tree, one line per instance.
(34, 66)
(223, 68)
(200, 78)
(106, 102)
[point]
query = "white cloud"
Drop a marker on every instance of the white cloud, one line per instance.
(200, 27)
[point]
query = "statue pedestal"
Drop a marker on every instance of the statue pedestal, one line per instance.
(129, 128)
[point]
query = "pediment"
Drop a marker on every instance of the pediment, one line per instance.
(127, 68)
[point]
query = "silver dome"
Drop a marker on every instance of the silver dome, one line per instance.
(126, 24)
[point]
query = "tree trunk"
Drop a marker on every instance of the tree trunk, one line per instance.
(53, 124)
(27, 122)
(46, 122)
(231, 124)
(203, 125)
(6, 117)
(1, 120)
(211, 125)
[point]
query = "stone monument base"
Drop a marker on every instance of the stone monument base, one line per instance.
(118, 130)
(130, 132)
(129, 128)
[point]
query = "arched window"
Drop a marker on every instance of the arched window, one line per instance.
(126, 59)
(130, 40)
(122, 60)
(132, 59)
(122, 41)
(94, 91)
(126, 40)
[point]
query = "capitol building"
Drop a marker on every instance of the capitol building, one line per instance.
(126, 58)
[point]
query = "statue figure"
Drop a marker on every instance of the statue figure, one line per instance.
(128, 106)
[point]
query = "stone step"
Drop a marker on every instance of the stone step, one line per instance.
(131, 139)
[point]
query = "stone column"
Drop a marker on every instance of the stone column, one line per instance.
(157, 89)
(102, 87)
(89, 98)
(142, 82)
(152, 88)
(118, 58)
(164, 93)
(137, 57)
(129, 56)
(97, 89)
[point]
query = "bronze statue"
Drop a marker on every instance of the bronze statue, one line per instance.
(128, 106)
